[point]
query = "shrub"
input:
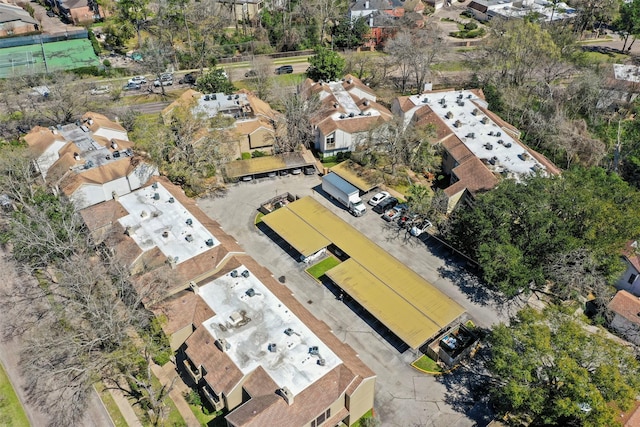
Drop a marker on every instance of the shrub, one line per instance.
(246, 156)
(470, 26)
(193, 398)
(258, 153)
(97, 48)
(106, 63)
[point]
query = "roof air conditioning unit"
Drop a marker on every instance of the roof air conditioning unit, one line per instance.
(165, 234)
(189, 221)
(321, 362)
(442, 101)
(209, 242)
(250, 292)
(314, 351)
(172, 200)
(460, 96)
(498, 133)
(286, 395)
(484, 120)
(206, 97)
(475, 112)
(500, 142)
(154, 185)
(507, 144)
(272, 347)
(351, 114)
(156, 196)
(449, 115)
(342, 116)
(189, 238)
(234, 273)
(245, 274)
(288, 332)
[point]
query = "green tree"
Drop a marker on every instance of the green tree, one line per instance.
(547, 369)
(326, 65)
(134, 12)
(519, 231)
(215, 81)
(628, 22)
(350, 34)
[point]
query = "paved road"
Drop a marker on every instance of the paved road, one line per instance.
(150, 108)
(404, 397)
(96, 415)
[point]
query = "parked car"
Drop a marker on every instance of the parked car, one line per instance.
(132, 86)
(51, 13)
(394, 213)
(138, 79)
(285, 69)
(251, 73)
(378, 198)
(408, 220)
(189, 79)
(420, 227)
(386, 204)
(100, 90)
(158, 83)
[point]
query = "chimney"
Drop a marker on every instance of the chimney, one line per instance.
(222, 345)
(366, 4)
(194, 287)
(371, 22)
(173, 261)
(286, 395)
(115, 195)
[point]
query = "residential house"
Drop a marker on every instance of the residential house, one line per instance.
(243, 10)
(624, 310)
(478, 147)
(394, 8)
(484, 10)
(89, 161)
(630, 280)
(78, 11)
(256, 352)
(348, 114)
(14, 20)
(247, 119)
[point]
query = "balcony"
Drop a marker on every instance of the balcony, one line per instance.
(194, 373)
(214, 399)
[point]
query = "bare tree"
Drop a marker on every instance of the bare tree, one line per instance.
(296, 127)
(261, 75)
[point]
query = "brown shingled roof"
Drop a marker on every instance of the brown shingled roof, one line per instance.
(102, 215)
(101, 121)
(259, 383)
(631, 255)
(40, 138)
(181, 310)
(475, 175)
(626, 305)
(108, 172)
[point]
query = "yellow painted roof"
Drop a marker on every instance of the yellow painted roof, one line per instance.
(402, 300)
(344, 170)
(304, 238)
(405, 320)
(238, 168)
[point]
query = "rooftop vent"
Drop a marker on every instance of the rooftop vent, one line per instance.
(165, 234)
(114, 145)
(442, 101)
(368, 113)
(366, 102)
(88, 165)
(245, 274)
(156, 196)
(314, 351)
(524, 156)
(457, 124)
(213, 97)
(507, 144)
(172, 200)
(188, 238)
(469, 96)
(335, 105)
(272, 347)
(229, 98)
(475, 112)
(189, 221)
(237, 96)
(76, 156)
(206, 97)
(460, 96)
(286, 395)
(351, 114)
(460, 103)
(449, 115)
(488, 146)
(484, 120)
(425, 100)
(321, 362)
(234, 273)
(342, 116)
(250, 292)
(288, 332)
(471, 135)
(209, 242)
(116, 154)
(498, 133)
(490, 133)
(222, 344)
(444, 105)
(500, 142)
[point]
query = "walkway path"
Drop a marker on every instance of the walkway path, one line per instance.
(166, 374)
(125, 408)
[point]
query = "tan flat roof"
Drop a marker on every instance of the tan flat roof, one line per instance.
(344, 170)
(411, 307)
(303, 237)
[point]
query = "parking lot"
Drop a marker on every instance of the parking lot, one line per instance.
(404, 396)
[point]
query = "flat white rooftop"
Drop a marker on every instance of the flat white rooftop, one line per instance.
(236, 106)
(254, 329)
(481, 135)
(628, 73)
(157, 219)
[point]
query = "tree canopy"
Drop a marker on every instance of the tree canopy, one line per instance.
(326, 65)
(215, 81)
(548, 369)
(518, 231)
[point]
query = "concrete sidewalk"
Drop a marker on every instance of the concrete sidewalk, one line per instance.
(125, 408)
(166, 374)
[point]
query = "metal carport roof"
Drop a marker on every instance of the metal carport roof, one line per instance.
(371, 269)
(300, 235)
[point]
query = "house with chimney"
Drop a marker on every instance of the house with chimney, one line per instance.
(478, 147)
(88, 161)
(349, 112)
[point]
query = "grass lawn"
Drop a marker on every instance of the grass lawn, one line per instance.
(329, 165)
(425, 363)
(173, 419)
(203, 419)
(599, 58)
(110, 404)
(322, 267)
(258, 218)
(368, 415)
(11, 411)
(451, 66)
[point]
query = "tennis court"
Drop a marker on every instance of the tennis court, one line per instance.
(62, 55)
